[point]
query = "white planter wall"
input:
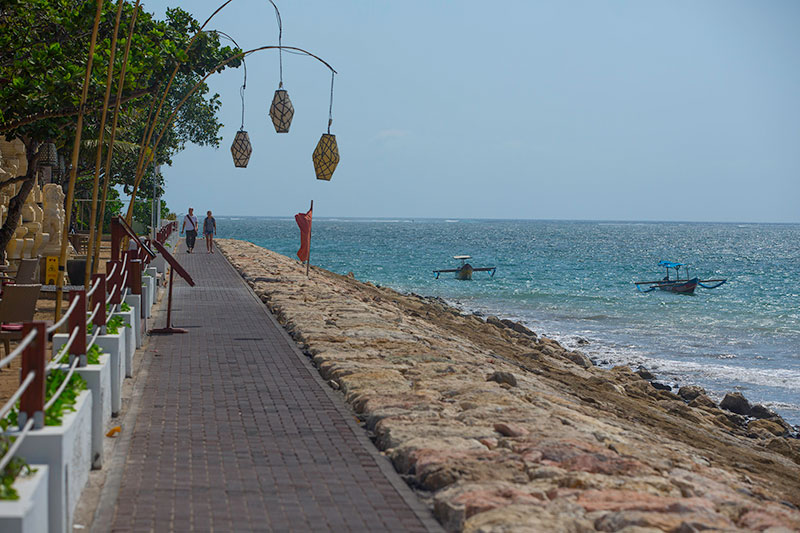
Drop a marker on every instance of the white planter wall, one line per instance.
(67, 451)
(130, 342)
(135, 301)
(28, 514)
(114, 346)
(98, 381)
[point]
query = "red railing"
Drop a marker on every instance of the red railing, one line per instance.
(123, 275)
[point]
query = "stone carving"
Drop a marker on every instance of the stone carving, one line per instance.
(39, 230)
(53, 223)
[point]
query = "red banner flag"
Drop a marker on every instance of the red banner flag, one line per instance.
(304, 222)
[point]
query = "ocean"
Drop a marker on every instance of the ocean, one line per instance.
(573, 281)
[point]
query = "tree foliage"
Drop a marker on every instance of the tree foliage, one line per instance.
(43, 52)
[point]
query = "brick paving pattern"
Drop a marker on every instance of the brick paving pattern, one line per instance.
(234, 433)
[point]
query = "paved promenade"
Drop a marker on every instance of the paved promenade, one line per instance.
(235, 431)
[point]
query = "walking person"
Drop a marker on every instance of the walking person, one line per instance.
(209, 230)
(190, 225)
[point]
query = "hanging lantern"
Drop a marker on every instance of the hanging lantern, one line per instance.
(326, 157)
(281, 111)
(241, 149)
(48, 155)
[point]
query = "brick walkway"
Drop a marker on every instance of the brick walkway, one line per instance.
(236, 431)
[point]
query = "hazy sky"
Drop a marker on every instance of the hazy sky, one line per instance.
(623, 110)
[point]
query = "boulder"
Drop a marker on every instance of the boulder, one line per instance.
(644, 373)
(579, 359)
(493, 320)
(760, 411)
(735, 402)
(503, 377)
(768, 425)
(660, 386)
(702, 400)
(690, 392)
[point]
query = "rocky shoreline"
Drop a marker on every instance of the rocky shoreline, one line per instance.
(499, 429)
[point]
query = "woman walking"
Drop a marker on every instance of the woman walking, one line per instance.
(209, 230)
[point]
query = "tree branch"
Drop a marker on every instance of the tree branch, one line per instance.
(69, 111)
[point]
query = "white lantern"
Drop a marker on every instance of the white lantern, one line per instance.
(281, 111)
(241, 149)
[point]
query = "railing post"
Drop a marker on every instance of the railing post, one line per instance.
(31, 404)
(114, 280)
(99, 297)
(117, 232)
(78, 318)
(135, 277)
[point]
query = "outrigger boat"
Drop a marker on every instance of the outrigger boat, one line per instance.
(682, 285)
(464, 272)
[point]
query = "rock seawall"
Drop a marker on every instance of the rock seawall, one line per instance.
(502, 430)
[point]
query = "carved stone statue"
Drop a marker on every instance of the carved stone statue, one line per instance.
(53, 222)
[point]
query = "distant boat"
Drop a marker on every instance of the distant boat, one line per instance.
(464, 272)
(679, 284)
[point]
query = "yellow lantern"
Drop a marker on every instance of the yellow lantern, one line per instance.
(281, 111)
(241, 149)
(326, 157)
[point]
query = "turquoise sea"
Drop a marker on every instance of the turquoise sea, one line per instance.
(574, 281)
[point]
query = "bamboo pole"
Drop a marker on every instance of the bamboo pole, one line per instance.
(76, 147)
(142, 164)
(199, 83)
(109, 152)
(99, 153)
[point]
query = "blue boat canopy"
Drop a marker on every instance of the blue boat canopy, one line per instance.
(670, 264)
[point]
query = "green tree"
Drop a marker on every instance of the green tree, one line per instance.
(43, 53)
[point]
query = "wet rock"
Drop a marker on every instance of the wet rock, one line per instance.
(579, 359)
(581, 341)
(690, 392)
(702, 400)
(503, 377)
(660, 386)
(493, 320)
(645, 374)
(760, 411)
(735, 402)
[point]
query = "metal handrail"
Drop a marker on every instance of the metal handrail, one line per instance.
(18, 350)
(110, 275)
(16, 396)
(94, 338)
(91, 291)
(94, 313)
(64, 348)
(17, 443)
(55, 396)
(111, 293)
(64, 318)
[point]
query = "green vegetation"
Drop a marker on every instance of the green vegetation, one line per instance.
(43, 52)
(64, 404)
(92, 356)
(13, 469)
(125, 307)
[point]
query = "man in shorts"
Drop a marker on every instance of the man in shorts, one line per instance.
(190, 225)
(209, 230)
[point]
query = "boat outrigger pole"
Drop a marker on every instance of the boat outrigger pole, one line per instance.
(464, 272)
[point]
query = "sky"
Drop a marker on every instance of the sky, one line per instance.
(587, 110)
